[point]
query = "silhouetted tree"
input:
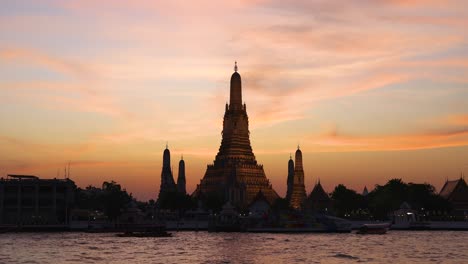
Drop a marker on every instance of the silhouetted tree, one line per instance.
(176, 201)
(389, 197)
(110, 199)
(346, 200)
(89, 198)
(115, 199)
(423, 197)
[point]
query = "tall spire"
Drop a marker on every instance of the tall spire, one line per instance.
(167, 158)
(181, 182)
(298, 193)
(290, 180)
(235, 102)
(167, 179)
(298, 158)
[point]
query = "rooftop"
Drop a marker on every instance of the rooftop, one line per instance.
(450, 186)
(16, 176)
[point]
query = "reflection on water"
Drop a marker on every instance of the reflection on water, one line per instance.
(203, 247)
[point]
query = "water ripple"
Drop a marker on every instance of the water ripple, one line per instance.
(203, 247)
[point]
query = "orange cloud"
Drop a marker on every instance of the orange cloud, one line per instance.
(43, 149)
(460, 120)
(335, 141)
(30, 56)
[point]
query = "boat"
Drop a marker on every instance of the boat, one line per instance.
(7, 228)
(374, 229)
(143, 230)
(318, 229)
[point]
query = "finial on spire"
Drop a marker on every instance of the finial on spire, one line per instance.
(166, 145)
(298, 147)
(235, 66)
(290, 156)
(182, 157)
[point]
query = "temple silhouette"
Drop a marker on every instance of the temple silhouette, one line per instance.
(167, 179)
(296, 193)
(181, 182)
(235, 174)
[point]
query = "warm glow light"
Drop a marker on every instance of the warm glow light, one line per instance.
(371, 90)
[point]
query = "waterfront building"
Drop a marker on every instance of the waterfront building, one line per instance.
(167, 180)
(181, 178)
(405, 216)
(235, 175)
(131, 214)
(259, 207)
(298, 192)
(456, 192)
(29, 200)
(318, 199)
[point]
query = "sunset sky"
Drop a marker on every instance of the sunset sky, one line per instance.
(371, 90)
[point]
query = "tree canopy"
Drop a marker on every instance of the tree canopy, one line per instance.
(385, 199)
(110, 199)
(346, 200)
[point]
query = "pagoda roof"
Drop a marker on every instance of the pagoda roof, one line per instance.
(318, 193)
(450, 187)
(259, 197)
(365, 191)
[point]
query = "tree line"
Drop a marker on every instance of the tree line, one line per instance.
(112, 199)
(385, 199)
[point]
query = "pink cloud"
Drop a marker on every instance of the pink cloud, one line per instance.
(30, 56)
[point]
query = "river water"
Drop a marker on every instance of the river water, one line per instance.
(203, 247)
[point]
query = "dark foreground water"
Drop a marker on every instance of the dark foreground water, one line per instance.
(203, 247)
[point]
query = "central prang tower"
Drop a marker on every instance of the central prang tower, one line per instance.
(235, 174)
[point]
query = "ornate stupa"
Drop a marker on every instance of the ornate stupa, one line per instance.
(235, 174)
(167, 180)
(298, 192)
(181, 177)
